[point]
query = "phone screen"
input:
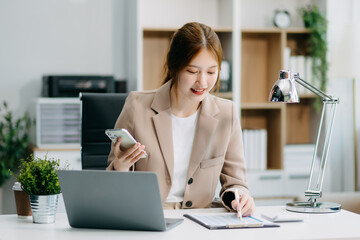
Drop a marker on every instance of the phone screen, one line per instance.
(127, 141)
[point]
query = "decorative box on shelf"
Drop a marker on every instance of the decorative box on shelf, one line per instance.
(58, 123)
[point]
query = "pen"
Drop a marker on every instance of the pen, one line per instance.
(239, 215)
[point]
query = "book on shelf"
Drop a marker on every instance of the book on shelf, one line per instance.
(255, 148)
(300, 64)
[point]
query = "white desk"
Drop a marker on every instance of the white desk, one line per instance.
(342, 225)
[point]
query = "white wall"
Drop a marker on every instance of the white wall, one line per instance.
(40, 37)
(254, 13)
(340, 15)
(175, 13)
(260, 13)
(125, 41)
(51, 37)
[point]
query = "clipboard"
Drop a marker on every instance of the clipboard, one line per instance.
(228, 221)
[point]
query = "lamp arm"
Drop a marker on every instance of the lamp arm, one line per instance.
(329, 104)
(315, 181)
(313, 89)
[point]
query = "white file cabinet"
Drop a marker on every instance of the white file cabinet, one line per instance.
(296, 183)
(281, 183)
(264, 184)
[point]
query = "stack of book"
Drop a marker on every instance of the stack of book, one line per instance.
(302, 65)
(255, 148)
(298, 157)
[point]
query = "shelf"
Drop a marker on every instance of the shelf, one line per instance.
(276, 30)
(223, 29)
(260, 64)
(298, 42)
(298, 30)
(262, 57)
(259, 106)
(307, 96)
(226, 95)
(269, 116)
(301, 122)
(172, 30)
(244, 30)
(156, 42)
(261, 30)
(159, 29)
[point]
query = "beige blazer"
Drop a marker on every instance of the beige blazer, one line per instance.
(217, 151)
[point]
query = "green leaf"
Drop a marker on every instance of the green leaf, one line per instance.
(14, 140)
(317, 23)
(39, 176)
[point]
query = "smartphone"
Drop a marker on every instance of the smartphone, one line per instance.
(127, 141)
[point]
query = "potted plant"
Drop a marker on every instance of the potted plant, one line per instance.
(14, 141)
(317, 23)
(39, 179)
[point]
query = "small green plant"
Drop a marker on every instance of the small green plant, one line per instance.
(39, 176)
(317, 23)
(14, 141)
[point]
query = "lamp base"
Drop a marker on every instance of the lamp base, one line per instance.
(308, 207)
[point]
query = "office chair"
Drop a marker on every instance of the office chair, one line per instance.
(99, 111)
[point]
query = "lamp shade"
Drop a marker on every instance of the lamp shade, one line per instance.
(284, 89)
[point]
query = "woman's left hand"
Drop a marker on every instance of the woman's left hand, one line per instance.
(246, 204)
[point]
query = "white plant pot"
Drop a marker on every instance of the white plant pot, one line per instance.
(43, 208)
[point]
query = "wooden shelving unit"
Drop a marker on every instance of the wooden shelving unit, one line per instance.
(262, 57)
(226, 95)
(155, 45)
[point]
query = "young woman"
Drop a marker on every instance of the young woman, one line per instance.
(192, 138)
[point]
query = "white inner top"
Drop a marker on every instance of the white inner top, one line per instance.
(183, 131)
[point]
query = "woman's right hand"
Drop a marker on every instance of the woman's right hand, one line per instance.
(125, 159)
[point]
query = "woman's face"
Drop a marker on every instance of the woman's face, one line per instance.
(198, 78)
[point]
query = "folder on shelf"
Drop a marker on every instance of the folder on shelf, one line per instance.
(228, 221)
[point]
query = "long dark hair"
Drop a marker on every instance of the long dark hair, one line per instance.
(185, 44)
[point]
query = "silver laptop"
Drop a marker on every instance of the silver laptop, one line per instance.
(114, 200)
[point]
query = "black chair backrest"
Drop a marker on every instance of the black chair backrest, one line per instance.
(99, 111)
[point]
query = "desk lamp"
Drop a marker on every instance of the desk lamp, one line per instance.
(284, 91)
